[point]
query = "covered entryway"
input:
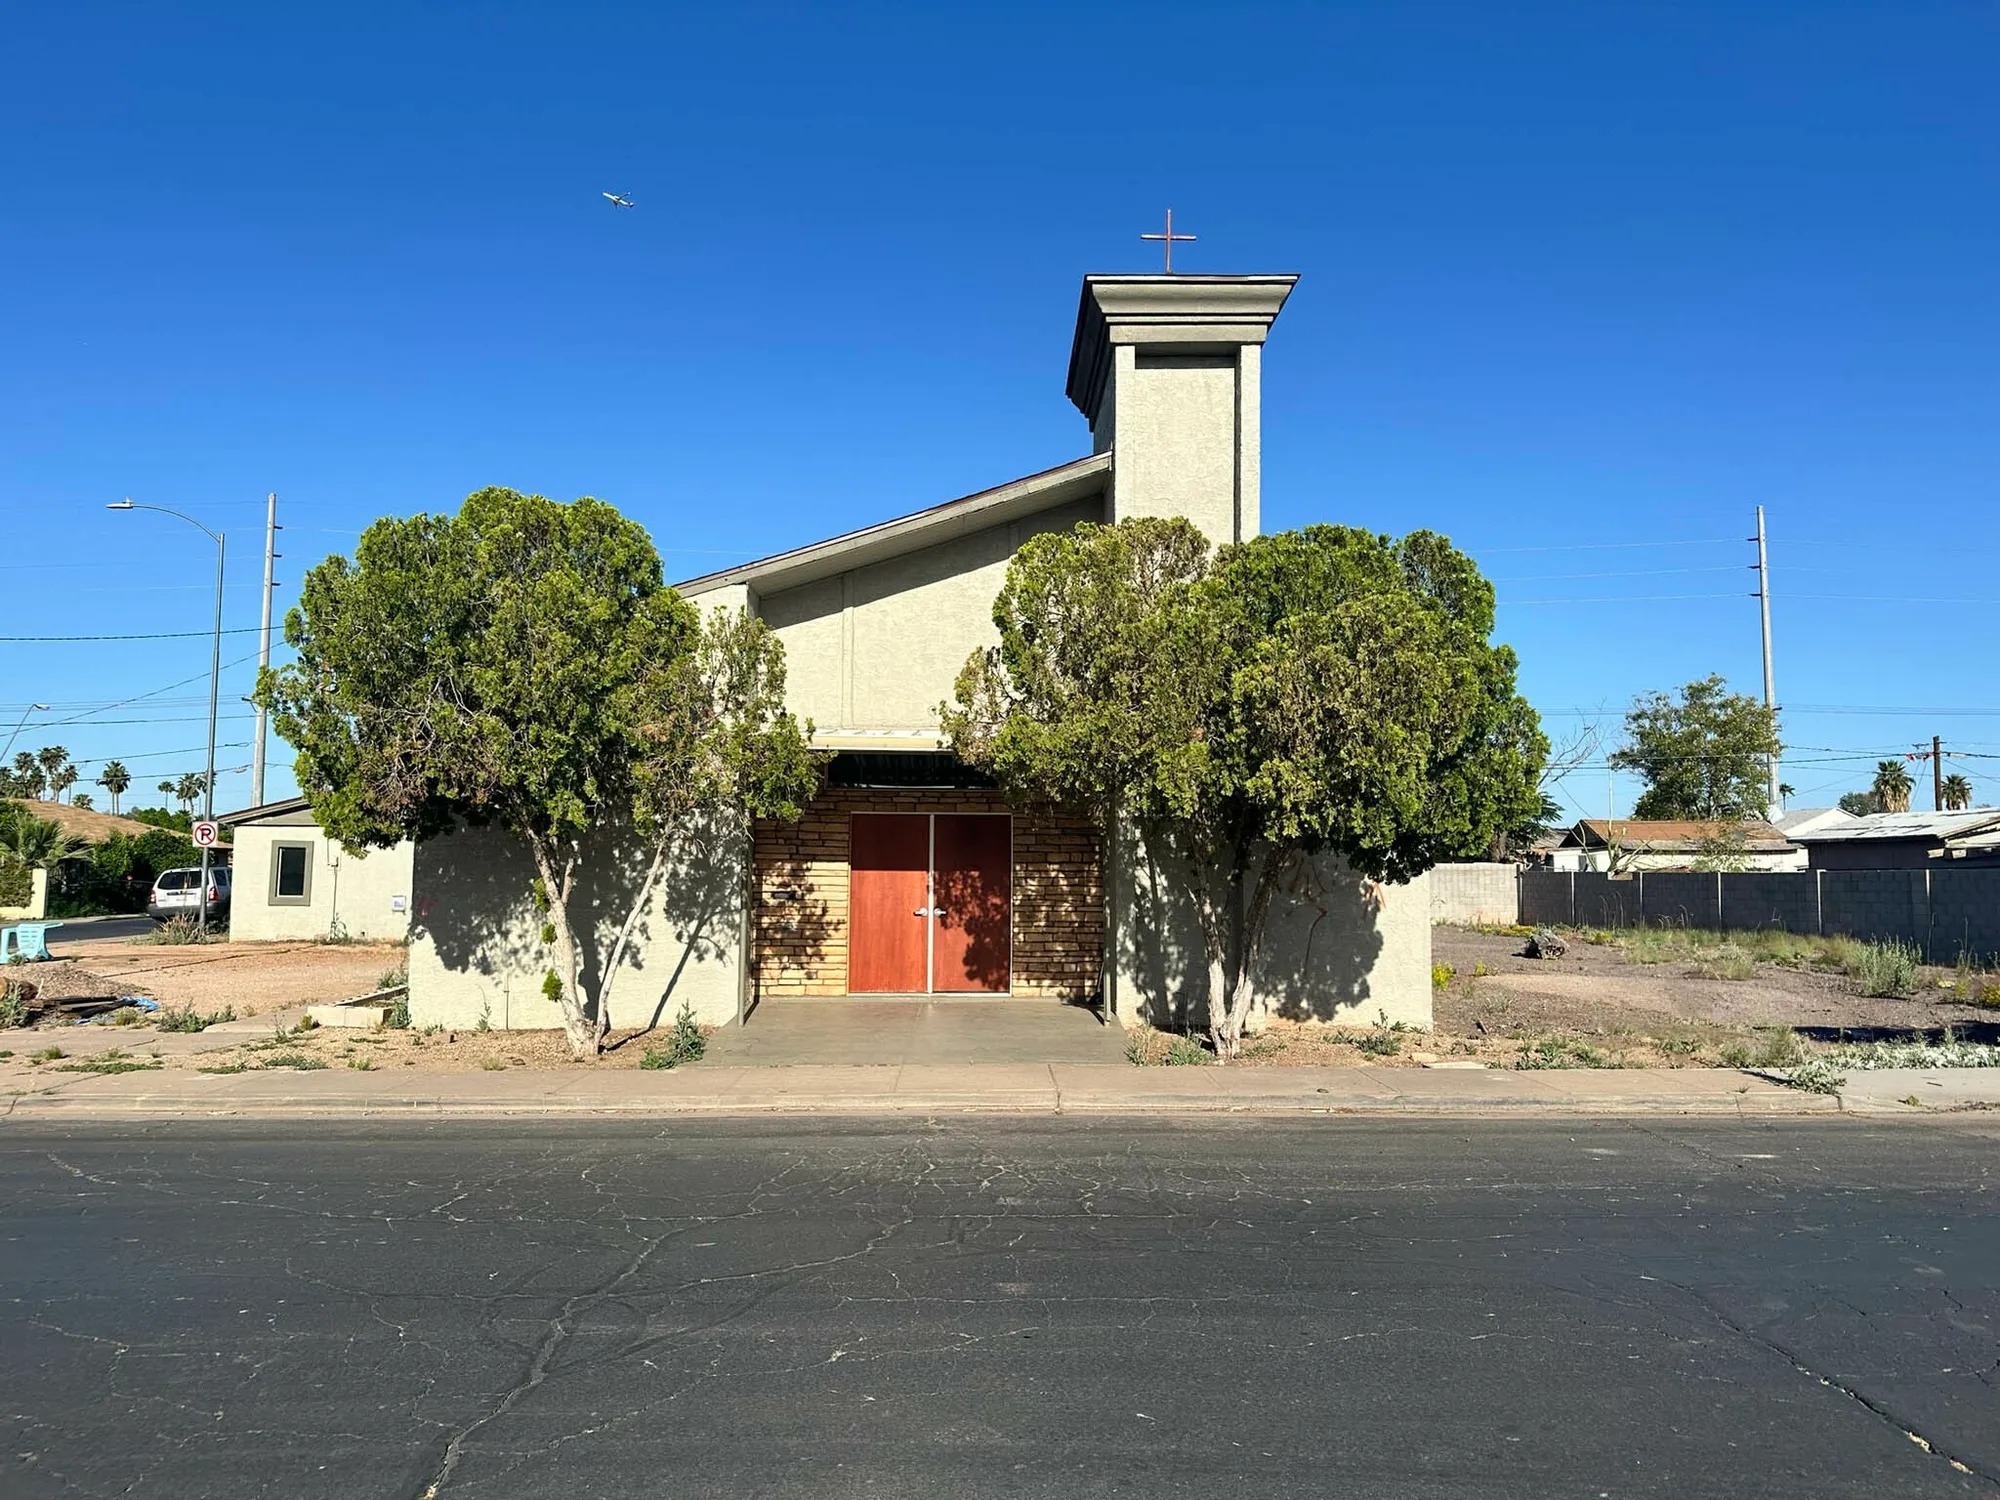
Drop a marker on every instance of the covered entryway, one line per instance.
(907, 876)
(930, 904)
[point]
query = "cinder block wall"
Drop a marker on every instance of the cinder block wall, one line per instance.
(1485, 894)
(800, 924)
(1944, 911)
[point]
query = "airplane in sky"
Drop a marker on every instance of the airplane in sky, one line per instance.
(621, 200)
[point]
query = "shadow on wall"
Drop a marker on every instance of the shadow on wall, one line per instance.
(975, 945)
(479, 914)
(1321, 944)
(794, 925)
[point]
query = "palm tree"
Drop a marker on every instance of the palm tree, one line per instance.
(38, 843)
(1892, 786)
(61, 779)
(114, 778)
(166, 789)
(29, 778)
(82, 800)
(187, 791)
(1957, 793)
(53, 758)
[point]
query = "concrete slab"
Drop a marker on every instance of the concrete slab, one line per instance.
(856, 1031)
(1890, 1090)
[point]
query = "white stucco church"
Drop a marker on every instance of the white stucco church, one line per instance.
(910, 874)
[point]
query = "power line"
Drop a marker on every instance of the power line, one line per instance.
(160, 635)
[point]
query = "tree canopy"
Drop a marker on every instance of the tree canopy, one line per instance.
(1703, 754)
(522, 664)
(1318, 691)
(1892, 786)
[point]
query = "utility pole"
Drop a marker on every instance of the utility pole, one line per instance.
(1937, 775)
(1763, 566)
(271, 530)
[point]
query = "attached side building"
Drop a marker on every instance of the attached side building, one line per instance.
(293, 882)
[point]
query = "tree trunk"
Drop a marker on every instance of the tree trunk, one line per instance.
(585, 1038)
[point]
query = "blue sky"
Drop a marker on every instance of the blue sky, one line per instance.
(1582, 285)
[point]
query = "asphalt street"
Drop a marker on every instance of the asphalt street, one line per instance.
(810, 1307)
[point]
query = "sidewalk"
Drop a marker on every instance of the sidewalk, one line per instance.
(1016, 1089)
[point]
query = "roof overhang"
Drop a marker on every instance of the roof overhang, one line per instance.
(924, 528)
(262, 811)
(1180, 312)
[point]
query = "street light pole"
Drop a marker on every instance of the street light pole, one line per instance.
(214, 688)
(32, 708)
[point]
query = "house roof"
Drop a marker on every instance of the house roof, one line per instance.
(1795, 820)
(262, 811)
(85, 822)
(923, 528)
(1906, 825)
(1673, 835)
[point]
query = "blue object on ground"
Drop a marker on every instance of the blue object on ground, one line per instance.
(25, 940)
(139, 1000)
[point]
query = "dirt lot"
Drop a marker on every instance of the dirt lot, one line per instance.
(250, 978)
(1636, 1000)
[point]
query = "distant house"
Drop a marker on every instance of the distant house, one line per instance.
(1905, 841)
(1674, 844)
(292, 881)
(1800, 820)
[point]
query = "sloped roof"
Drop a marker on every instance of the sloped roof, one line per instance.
(85, 822)
(1795, 819)
(261, 811)
(923, 528)
(1672, 835)
(1906, 825)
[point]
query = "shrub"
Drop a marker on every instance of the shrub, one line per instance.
(189, 1019)
(1378, 1044)
(398, 1018)
(390, 979)
(684, 1044)
(1780, 1048)
(1442, 976)
(1186, 1052)
(299, 1060)
(1886, 969)
(177, 931)
(1817, 1076)
(13, 1007)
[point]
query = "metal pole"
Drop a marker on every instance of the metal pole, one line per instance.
(31, 708)
(1770, 683)
(1937, 774)
(214, 700)
(264, 648)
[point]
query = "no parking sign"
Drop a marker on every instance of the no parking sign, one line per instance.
(204, 834)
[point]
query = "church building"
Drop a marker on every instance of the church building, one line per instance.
(910, 874)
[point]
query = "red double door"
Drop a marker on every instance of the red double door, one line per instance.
(930, 904)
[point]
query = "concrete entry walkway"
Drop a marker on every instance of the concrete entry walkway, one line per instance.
(792, 1033)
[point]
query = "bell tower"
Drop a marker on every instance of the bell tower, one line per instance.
(1167, 369)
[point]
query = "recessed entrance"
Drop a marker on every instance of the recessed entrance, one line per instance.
(930, 903)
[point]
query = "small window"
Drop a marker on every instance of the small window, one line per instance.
(291, 874)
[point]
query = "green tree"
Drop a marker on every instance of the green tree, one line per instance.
(114, 778)
(188, 789)
(52, 759)
(1704, 754)
(83, 800)
(61, 779)
(29, 779)
(1957, 793)
(38, 843)
(1859, 804)
(522, 664)
(1319, 691)
(1892, 786)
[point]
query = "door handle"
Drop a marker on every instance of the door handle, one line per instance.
(928, 911)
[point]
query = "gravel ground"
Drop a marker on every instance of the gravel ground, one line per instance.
(1598, 988)
(251, 978)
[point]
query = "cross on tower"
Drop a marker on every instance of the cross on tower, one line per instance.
(1168, 240)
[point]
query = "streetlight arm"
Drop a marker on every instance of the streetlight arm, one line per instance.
(163, 510)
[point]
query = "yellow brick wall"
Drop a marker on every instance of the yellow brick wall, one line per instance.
(799, 946)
